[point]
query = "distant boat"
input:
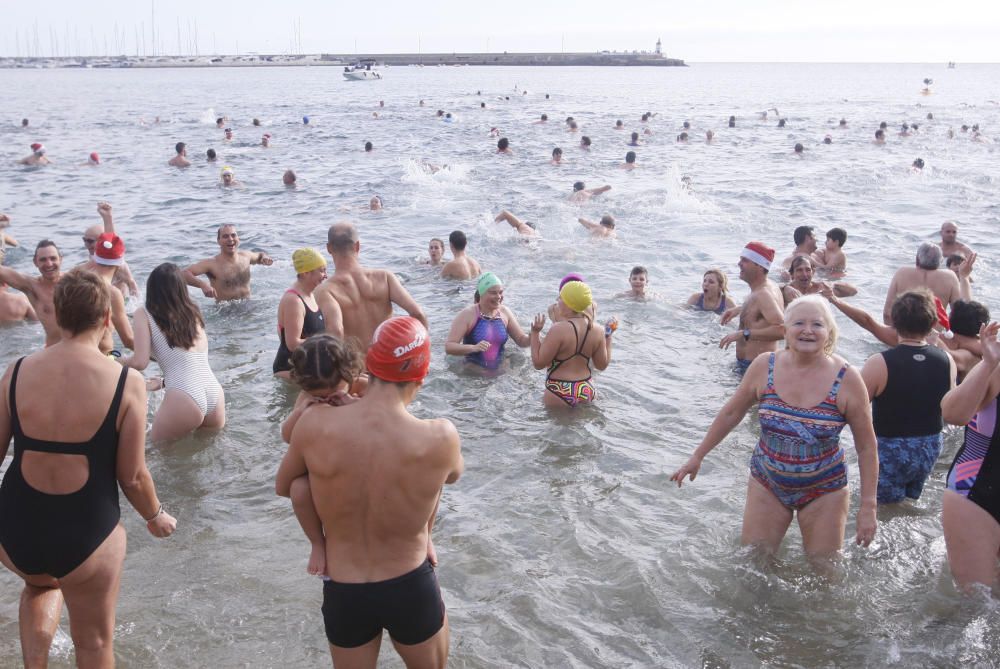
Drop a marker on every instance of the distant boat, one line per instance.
(362, 71)
(951, 65)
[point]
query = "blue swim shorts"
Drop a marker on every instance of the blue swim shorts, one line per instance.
(904, 465)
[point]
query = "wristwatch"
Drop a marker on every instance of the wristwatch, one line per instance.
(746, 334)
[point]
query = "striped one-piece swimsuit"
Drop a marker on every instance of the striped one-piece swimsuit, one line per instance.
(798, 456)
(975, 472)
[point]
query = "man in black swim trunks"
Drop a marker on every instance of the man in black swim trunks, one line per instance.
(376, 475)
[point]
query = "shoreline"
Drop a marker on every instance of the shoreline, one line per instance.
(541, 59)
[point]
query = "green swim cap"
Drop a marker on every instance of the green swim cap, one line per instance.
(486, 281)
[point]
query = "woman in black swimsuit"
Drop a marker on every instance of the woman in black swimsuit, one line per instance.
(59, 513)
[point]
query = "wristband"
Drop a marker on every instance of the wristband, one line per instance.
(155, 515)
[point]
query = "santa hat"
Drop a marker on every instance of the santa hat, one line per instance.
(758, 253)
(110, 250)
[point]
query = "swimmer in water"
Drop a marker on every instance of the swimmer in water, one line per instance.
(682, 138)
(180, 160)
(228, 177)
(799, 150)
(265, 140)
(557, 155)
(879, 137)
(605, 228)
(24, 124)
(220, 122)
(828, 140)
(228, 271)
(211, 156)
(732, 121)
(289, 179)
(582, 194)
(634, 141)
(918, 165)
(638, 281)
(543, 119)
(503, 147)
(37, 156)
(619, 125)
(375, 204)
(435, 251)
(461, 266)
(714, 295)
(831, 259)
(629, 163)
(585, 143)
(761, 316)
(480, 331)
(368, 147)
(93, 160)
(523, 227)
(229, 135)
(709, 136)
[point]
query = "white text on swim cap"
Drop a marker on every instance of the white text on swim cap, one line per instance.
(403, 350)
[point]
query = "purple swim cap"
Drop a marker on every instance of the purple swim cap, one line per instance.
(570, 277)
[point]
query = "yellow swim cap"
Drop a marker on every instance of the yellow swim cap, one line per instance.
(576, 295)
(228, 170)
(306, 260)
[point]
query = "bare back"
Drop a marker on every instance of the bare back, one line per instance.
(363, 298)
(375, 473)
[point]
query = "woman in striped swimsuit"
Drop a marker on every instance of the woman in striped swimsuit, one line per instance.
(171, 330)
(970, 511)
(798, 465)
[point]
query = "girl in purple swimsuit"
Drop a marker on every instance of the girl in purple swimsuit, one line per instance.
(480, 332)
(806, 396)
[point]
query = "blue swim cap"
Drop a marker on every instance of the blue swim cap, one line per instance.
(305, 119)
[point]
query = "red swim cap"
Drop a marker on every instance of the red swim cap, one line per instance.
(400, 351)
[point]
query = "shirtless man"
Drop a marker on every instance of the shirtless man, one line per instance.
(606, 228)
(356, 300)
(802, 282)
(949, 241)
(761, 315)
(5, 239)
(37, 156)
(460, 266)
(108, 256)
(180, 160)
(523, 227)
(926, 274)
(805, 244)
(123, 279)
(14, 307)
(581, 193)
(39, 290)
(228, 272)
(375, 475)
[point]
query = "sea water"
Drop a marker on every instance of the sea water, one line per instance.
(564, 544)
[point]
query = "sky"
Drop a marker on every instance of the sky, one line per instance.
(706, 31)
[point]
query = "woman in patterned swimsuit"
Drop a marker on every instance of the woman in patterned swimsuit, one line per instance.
(798, 465)
(970, 511)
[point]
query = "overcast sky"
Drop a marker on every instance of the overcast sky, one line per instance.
(712, 30)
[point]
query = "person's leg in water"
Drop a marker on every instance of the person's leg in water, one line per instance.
(312, 526)
(765, 519)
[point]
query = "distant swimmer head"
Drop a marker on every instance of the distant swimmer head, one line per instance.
(545, 117)
(210, 154)
(546, 96)
(880, 134)
(843, 123)
(683, 137)
(400, 351)
(687, 125)
(608, 221)
(576, 295)
(503, 144)
(918, 164)
(323, 362)
(447, 117)
(440, 112)
(630, 158)
(180, 147)
(486, 281)
(799, 148)
(732, 121)
(572, 276)
(928, 82)
(585, 142)
(883, 126)
(556, 153)
(569, 119)
(305, 120)
(307, 259)
(38, 149)
(482, 105)
(228, 175)
(635, 137)
(94, 158)
(24, 123)
(375, 204)
(578, 186)
(709, 135)
(219, 122)
(914, 127)
(619, 124)
(256, 122)
(368, 147)
(828, 140)
(109, 250)
(781, 123)
(930, 116)
(573, 125)
(905, 127)
(288, 178)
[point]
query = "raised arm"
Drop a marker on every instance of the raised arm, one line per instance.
(884, 333)
(104, 209)
(16, 280)
(980, 385)
(590, 225)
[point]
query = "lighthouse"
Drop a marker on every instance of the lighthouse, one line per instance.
(659, 47)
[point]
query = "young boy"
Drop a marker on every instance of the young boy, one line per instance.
(831, 259)
(638, 279)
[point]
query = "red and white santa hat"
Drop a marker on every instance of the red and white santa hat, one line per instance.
(110, 250)
(759, 254)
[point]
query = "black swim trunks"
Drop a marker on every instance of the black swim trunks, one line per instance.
(409, 607)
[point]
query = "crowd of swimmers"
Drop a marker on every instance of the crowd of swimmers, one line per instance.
(358, 367)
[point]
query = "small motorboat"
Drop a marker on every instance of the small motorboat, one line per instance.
(362, 71)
